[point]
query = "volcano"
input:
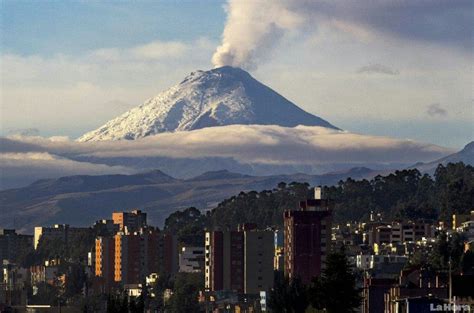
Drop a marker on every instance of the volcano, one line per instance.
(218, 97)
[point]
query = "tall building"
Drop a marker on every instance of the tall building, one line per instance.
(258, 261)
(59, 231)
(133, 220)
(307, 238)
(131, 250)
(12, 244)
(240, 261)
(168, 253)
(136, 255)
(105, 260)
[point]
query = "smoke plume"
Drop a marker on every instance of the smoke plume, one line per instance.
(252, 29)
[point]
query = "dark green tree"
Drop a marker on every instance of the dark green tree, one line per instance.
(335, 291)
(287, 296)
(185, 293)
(188, 225)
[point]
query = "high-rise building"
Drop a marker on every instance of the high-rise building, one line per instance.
(133, 220)
(131, 250)
(136, 255)
(12, 244)
(258, 261)
(240, 261)
(105, 260)
(307, 238)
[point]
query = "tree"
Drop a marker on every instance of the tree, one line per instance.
(336, 289)
(185, 293)
(446, 248)
(287, 296)
(188, 225)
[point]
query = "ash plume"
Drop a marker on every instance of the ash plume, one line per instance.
(252, 29)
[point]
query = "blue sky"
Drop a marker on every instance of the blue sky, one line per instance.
(402, 69)
(73, 27)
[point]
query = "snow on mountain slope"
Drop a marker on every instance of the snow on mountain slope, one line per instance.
(222, 96)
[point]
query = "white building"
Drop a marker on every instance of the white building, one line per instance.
(371, 261)
(191, 259)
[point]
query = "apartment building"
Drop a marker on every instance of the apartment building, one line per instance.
(307, 238)
(12, 244)
(133, 220)
(239, 261)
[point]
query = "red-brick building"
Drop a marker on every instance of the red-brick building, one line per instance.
(307, 238)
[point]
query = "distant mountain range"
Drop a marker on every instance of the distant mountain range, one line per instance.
(81, 200)
(466, 155)
(218, 97)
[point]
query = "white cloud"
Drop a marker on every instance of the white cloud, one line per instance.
(67, 94)
(159, 50)
(21, 168)
(253, 144)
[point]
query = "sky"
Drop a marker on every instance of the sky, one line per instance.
(402, 69)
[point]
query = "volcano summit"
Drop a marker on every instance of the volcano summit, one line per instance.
(222, 96)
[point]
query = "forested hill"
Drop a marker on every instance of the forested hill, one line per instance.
(403, 194)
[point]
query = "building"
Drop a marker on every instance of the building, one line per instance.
(258, 260)
(279, 257)
(127, 258)
(130, 250)
(373, 293)
(397, 232)
(47, 273)
(60, 232)
(168, 253)
(370, 261)
(133, 220)
(104, 265)
(458, 219)
(307, 238)
(412, 285)
(14, 282)
(239, 261)
(13, 244)
(467, 229)
(191, 259)
(105, 227)
(224, 261)
(136, 255)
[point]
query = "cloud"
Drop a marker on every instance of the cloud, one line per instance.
(435, 109)
(254, 28)
(247, 143)
(155, 50)
(23, 131)
(21, 168)
(377, 69)
(60, 91)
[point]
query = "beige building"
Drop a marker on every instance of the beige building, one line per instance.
(258, 260)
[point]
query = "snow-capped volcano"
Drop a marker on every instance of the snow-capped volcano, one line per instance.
(222, 96)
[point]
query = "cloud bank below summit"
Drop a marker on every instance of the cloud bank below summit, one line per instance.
(247, 144)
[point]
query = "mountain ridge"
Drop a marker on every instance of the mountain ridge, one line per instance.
(57, 201)
(465, 155)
